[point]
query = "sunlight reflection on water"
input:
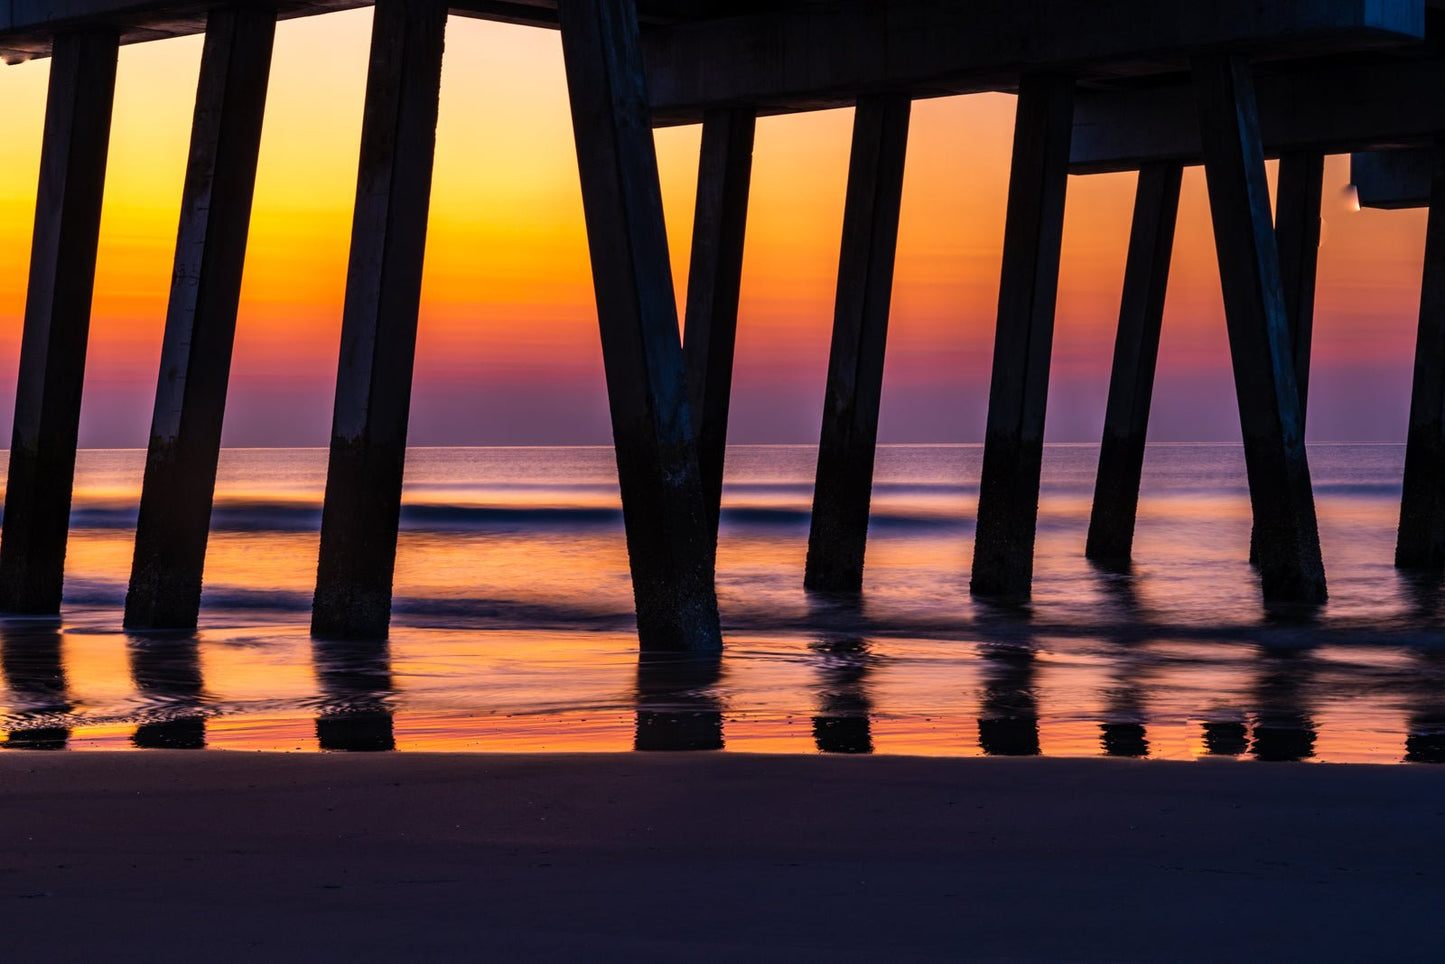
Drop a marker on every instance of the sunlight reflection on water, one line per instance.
(513, 626)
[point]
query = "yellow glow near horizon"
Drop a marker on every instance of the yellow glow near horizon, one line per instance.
(507, 292)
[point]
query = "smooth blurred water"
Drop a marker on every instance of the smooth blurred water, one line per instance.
(513, 625)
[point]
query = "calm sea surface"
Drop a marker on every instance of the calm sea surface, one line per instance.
(513, 627)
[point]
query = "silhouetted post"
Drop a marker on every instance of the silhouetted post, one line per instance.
(668, 540)
(1136, 352)
(1008, 496)
(1297, 228)
(1259, 337)
(1297, 231)
(378, 325)
(838, 534)
(1421, 541)
(185, 442)
(714, 279)
(57, 321)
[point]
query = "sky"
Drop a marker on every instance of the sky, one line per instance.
(508, 351)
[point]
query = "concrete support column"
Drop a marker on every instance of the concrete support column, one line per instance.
(1008, 498)
(1421, 541)
(1136, 350)
(725, 169)
(185, 442)
(838, 534)
(1291, 569)
(57, 321)
(378, 327)
(669, 544)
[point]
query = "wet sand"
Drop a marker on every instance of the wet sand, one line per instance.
(230, 856)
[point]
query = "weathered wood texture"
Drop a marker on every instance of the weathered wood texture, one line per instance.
(1008, 498)
(669, 542)
(185, 440)
(1421, 540)
(811, 55)
(838, 533)
(714, 280)
(1291, 569)
(57, 322)
(1328, 108)
(1136, 351)
(379, 319)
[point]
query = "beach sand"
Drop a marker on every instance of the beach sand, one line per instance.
(220, 855)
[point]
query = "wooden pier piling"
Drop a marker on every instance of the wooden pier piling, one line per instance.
(1008, 498)
(838, 533)
(57, 321)
(669, 544)
(1136, 352)
(378, 329)
(1291, 569)
(1420, 544)
(185, 439)
(714, 281)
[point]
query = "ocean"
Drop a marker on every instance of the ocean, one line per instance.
(513, 629)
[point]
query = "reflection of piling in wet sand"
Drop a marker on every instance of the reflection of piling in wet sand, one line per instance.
(168, 670)
(842, 723)
(677, 703)
(1009, 723)
(355, 680)
(1425, 739)
(1283, 729)
(35, 673)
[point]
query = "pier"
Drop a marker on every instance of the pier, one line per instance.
(1140, 85)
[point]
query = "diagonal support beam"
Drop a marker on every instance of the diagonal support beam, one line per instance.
(669, 545)
(725, 168)
(185, 442)
(1008, 498)
(843, 489)
(57, 322)
(1136, 351)
(1287, 537)
(378, 327)
(1297, 230)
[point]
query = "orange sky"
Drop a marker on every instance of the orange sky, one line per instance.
(508, 349)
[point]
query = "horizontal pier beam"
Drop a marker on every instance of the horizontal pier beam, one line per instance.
(1393, 180)
(788, 55)
(1325, 109)
(818, 55)
(28, 26)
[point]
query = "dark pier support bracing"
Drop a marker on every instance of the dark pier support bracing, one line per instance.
(1297, 229)
(1008, 499)
(1421, 540)
(714, 281)
(839, 531)
(669, 544)
(1136, 350)
(379, 320)
(57, 321)
(185, 442)
(1290, 566)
